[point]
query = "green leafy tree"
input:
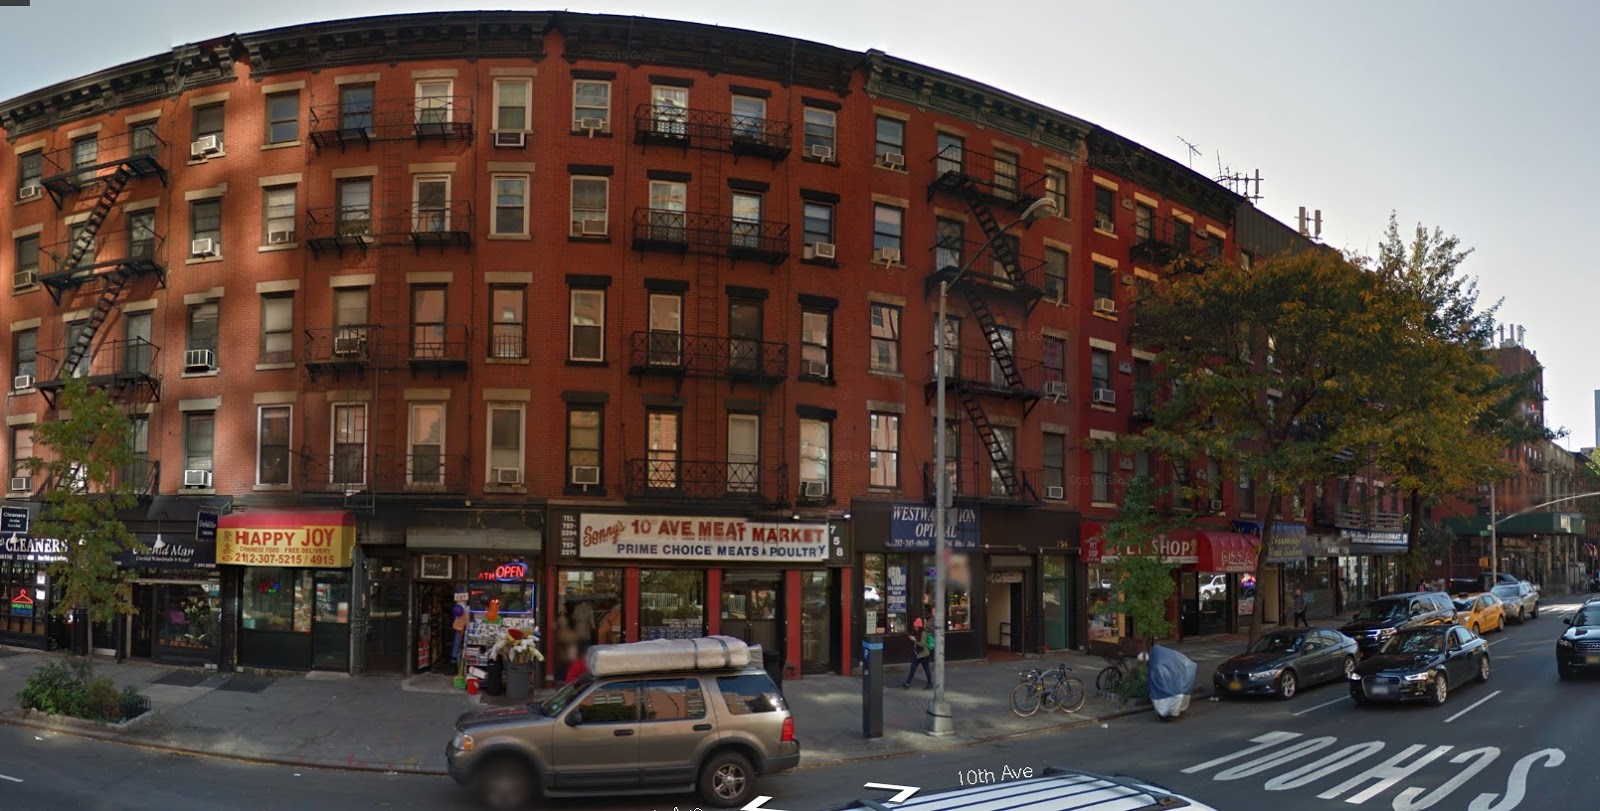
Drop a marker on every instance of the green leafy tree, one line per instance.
(1141, 582)
(87, 484)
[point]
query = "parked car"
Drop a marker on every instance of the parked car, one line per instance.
(1578, 649)
(1282, 662)
(1055, 788)
(652, 732)
(1421, 664)
(1381, 619)
(1521, 599)
(1481, 612)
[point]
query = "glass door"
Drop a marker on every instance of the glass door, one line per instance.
(330, 621)
(386, 631)
(752, 608)
(1056, 599)
(819, 623)
(138, 351)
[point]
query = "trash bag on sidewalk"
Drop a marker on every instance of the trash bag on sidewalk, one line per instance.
(1171, 681)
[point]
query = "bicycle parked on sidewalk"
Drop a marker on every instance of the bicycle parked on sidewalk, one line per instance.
(1050, 689)
(1117, 668)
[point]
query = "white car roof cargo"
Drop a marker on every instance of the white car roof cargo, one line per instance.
(704, 653)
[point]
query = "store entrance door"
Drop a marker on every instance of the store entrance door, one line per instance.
(752, 608)
(386, 633)
(433, 618)
(330, 621)
(140, 645)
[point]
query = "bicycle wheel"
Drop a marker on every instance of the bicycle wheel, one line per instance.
(1047, 692)
(1108, 679)
(1070, 695)
(1025, 699)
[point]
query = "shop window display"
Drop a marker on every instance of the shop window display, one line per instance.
(277, 600)
(1103, 624)
(957, 592)
(589, 611)
(672, 604)
(884, 579)
(187, 616)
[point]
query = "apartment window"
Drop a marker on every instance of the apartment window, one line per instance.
(666, 329)
(663, 433)
(816, 354)
(1144, 222)
(510, 204)
(205, 222)
(80, 231)
(744, 453)
(508, 321)
(1100, 368)
(885, 338)
(430, 207)
(74, 330)
(1247, 494)
(425, 444)
(27, 261)
(818, 223)
(1055, 460)
(435, 98)
(816, 444)
(589, 195)
(199, 439)
(1008, 339)
(1006, 170)
(85, 151)
(1245, 259)
(30, 169)
(749, 118)
(203, 333)
(1272, 408)
(1144, 464)
(1101, 488)
(350, 310)
(1013, 245)
(25, 353)
(745, 332)
(355, 207)
(1182, 233)
(949, 243)
(1213, 246)
(349, 443)
(277, 328)
(1105, 209)
(356, 102)
(208, 122)
(669, 110)
(951, 153)
(821, 126)
(138, 352)
(1213, 481)
(1055, 188)
(21, 452)
(668, 202)
(586, 341)
(583, 444)
(952, 344)
(888, 228)
(885, 449)
(1055, 274)
(1104, 281)
(144, 142)
(1006, 438)
(1144, 386)
(278, 203)
(428, 333)
(745, 215)
(272, 445)
(891, 138)
(505, 443)
(1054, 357)
(283, 117)
(512, 98)
(591, 105)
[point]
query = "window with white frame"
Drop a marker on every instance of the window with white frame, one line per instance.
(272, 445)
(885, 338)
(430, 207)
(663, 438)
(277, 328)
(434, 104)
(891, 138)
(1055, 188)
(283, 117)
(205, 224)
(354, 215)
(199, 440)
(816, 355)
(30, 169)
(512, 99)
(506, 429)
(668, 203)
(591, 104)
(821, 129)
(586, 341)
(749, 118)
(425, 444)
(589, 206)
(1055, 462)
(816, 443)
(208, 121)
(204, 332)
(1007, 167)
(884, 433)
(744, 453)
(817, 223)
(349, 465)
(1055, 274)
(1101, 489)
(278, 210)
(510, 205)
(21, 452)
(584, 427)
(25, 354)
(669, 110)
(888, 229)
(508, 306)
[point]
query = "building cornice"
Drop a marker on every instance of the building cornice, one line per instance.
(930, 89)
(1148, 168)
(397, 38)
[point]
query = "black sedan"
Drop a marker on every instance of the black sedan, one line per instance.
(1579, 646)
(1282, 662)
(1421, 664)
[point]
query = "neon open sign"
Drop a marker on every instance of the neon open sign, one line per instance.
(508, 572)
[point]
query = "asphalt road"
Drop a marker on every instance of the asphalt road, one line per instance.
(1524, 740)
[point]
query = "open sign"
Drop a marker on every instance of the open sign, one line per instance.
(510, 571)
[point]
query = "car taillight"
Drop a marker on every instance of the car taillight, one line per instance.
(788, 730)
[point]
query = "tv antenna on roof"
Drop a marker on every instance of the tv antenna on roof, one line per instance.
(1243, 185)
(1194, 149)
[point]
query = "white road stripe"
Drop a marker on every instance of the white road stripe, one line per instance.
(1473, 707)
(1320, 706)
(9, 777)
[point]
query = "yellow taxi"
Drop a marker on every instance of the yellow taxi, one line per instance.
(1481, 612)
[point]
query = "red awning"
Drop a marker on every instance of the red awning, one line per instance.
(1227, 552)
(286, 519)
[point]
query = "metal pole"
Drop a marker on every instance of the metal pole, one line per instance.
(938, 721)
(1494, 539)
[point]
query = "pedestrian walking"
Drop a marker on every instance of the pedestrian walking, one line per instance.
(922, 653)
(1300, 608)
(1338, 595)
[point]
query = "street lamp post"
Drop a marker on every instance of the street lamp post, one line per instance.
(938, 721)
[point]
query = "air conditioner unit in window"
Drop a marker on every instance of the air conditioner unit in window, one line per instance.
(821, 152)
(593, 228)
(824, 250)
(1105, 397)
(814, 368)
(1105, 305)
(21, 484)
(888, 256)
(591, 125)
(349, 346)
(197, 478)
(1055, 389)
(22, 382)
(507, 475)
(1126, 463)
(199, 360)
(894, 160)
(1215, 505)
(280, 237)
(205, 145)
(203, 247)
(29, 192)
(586, 475)
(1055, 492)
(1127, 279)
(1104, 224)
(515, 138)
(813, 489)
(24, 278)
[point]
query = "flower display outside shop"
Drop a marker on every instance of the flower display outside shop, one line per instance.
(517, 646)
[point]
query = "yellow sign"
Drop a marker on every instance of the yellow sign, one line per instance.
(322, 547)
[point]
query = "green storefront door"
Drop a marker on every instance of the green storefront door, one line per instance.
(1056, 603)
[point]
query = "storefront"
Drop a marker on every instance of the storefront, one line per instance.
(1106, 631)
(624, 577)
(178, 596)
(895, 555)
(1218, 591)
(1296, 559)
(28, 595)
(474, 569)
(1369, 566)
(295, 580)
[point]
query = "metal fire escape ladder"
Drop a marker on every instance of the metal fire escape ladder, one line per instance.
(91, 227)
(116, 279)
(709, 427)
(1004, 466)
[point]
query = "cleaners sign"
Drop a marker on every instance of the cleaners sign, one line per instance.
(690, 538)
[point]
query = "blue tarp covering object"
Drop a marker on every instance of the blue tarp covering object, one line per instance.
(1171, 681)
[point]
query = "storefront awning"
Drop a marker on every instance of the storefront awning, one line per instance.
(1227, 552)
(299, 538)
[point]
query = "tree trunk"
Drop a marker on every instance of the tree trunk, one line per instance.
(1414, 532)
(1269, 518)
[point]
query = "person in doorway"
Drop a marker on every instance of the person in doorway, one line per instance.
(583, 624)
(458, 624)
(611, 626)
(566, 639)
(1338, 595)
(922, 655)
(1300, 608)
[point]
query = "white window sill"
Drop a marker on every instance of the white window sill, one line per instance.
(523, 237)
(273, 488)
(25, 289)
(1105, 233)
(274, 248)
(280, 145)
(197, 491)
(221, 153)
(1103, 407)
(212, 373)
(1106, 316)
(1104, 505)
(506, 361)
(884, 373)
(203, 260)
(505, 488)
(272, 367)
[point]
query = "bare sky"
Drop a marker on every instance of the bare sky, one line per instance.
(1472, 116)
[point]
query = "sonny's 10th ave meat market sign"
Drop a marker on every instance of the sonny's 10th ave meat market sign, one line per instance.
(662, 537)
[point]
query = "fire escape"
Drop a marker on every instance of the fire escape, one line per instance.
(107, 264)
(987, 183)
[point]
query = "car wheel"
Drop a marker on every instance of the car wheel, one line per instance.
(1535, 610)
(1349, 667)
(1287, 685)
(727, 780)
(1519, 616)
(1475, 630)
(1438, 690)
(1358, 699)
(1502, 621)
(504, 784)
(1483, 668)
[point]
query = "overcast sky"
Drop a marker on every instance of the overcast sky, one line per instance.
(1478, 117)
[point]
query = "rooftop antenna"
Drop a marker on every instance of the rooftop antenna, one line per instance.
(1313, 227)
(1194, 149)
(1243, 185)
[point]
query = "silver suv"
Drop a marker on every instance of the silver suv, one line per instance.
(711, 731)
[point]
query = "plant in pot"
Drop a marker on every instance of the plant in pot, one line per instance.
(519, 649)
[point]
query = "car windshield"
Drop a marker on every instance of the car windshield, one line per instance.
(1587, 616)
(1422, 640)
(1507, 591)
(1382, 610)
(558, 702)
(1463, 605)
(1278, 643)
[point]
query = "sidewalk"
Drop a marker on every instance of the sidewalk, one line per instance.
(384, 723)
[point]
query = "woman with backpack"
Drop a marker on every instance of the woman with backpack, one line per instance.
(923, 641)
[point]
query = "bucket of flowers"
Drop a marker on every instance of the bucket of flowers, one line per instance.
(519, 649)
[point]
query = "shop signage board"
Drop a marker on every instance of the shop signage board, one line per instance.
(897, 589)
(310, 539)
(205, 525)
(32, 550)
(701, 538)
(13, 521)
(21, 604)
(911, 528)
(1364, 537)
(162, 553)
(1177, 551)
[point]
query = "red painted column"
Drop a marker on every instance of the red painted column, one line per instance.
(549, 624)
(792, 618)
(630, 604)
(847, 646)
(713, 602)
